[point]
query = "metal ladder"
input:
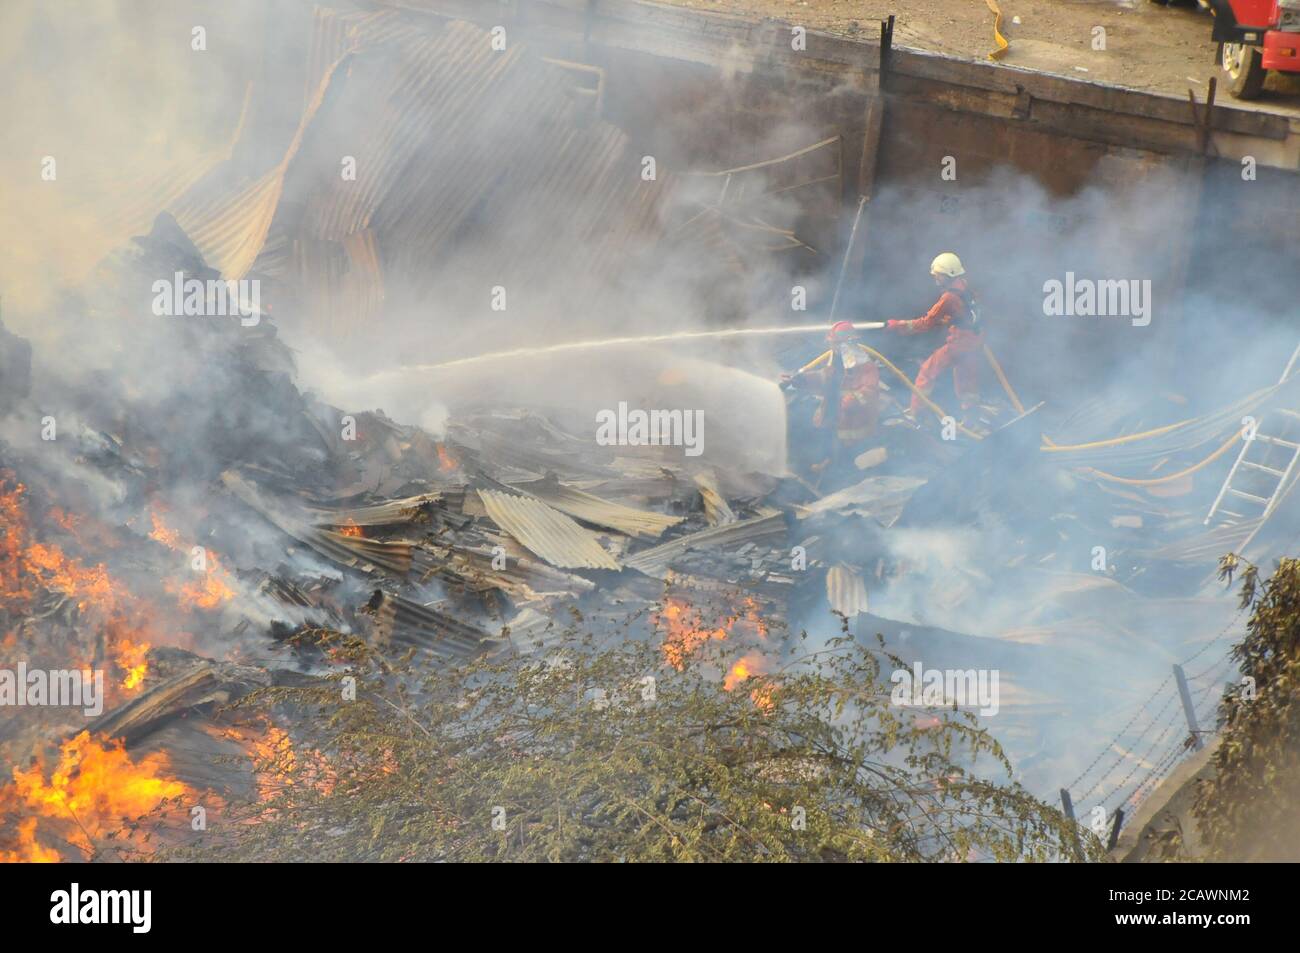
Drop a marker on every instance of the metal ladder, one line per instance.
(1261, 475)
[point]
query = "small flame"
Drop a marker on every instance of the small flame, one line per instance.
(447, 461)
(351, 529)
(743, 670)
(686, 631)
(161, 533)
(279, 766)
(130, 657)
(212, 590)
(209, 591)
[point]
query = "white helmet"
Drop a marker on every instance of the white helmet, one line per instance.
(947, 264)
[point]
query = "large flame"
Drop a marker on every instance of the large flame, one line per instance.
(28, 567)
(95, 790)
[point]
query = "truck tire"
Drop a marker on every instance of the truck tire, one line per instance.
(1245, 68)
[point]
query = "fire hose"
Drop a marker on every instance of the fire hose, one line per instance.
(1052, 447)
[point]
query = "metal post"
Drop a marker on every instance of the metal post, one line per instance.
(1115, 825)
(1068, 807)
(1188, 710)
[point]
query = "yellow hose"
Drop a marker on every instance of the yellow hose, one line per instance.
(1052, 447)
(1020, 408)
(938, 411)
(1002, 379)
(1001, 40)
(1173, 476)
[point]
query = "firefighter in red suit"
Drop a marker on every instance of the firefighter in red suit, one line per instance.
(847, 381)
(956, 312)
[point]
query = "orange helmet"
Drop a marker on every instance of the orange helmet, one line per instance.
(841, 331)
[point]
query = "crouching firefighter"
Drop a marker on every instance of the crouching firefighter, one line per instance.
(846, 382)
(957, 312)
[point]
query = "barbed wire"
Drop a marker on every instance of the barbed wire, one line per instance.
(1119, 734)
(1139, 761)
(1193, 657)
(1121, 758)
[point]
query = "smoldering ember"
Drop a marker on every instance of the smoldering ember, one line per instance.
(354, 369)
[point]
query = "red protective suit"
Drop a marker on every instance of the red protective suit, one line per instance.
(960, 351)
(859, 394)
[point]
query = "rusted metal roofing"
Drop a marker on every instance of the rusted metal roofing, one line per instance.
(341, 283)
(545, 531)
(396, 619)
(230, 226)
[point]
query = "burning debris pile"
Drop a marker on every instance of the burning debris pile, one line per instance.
(200, 561)
(180, 536)
(152, 526)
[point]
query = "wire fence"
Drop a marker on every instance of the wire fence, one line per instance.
(1156, 738)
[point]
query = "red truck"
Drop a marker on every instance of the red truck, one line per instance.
(1256, 36)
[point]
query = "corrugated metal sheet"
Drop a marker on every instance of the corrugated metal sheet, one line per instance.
(716, 508)
(353, 552)
(545, 531)
(127, 206)
(845, 591)
(341, 283)
(400, 620)
(599, 512)
(391, 513)
(231, 228)
(657, 560)
(450, 137)
(880, 497)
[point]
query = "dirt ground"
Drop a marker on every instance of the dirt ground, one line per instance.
(1147, 45)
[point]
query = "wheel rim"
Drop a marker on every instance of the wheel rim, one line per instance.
(1234, 58)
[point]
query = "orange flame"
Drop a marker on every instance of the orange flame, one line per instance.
(279, 766)
(13, 525)
(26, 565)
(743, 670)
(161, 533)
(95, 790)
(686, 631)
(212, 590)
(447, 461)
(130, 657)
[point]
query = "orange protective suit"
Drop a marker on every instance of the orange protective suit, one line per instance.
(859, 404)
(960, 351)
